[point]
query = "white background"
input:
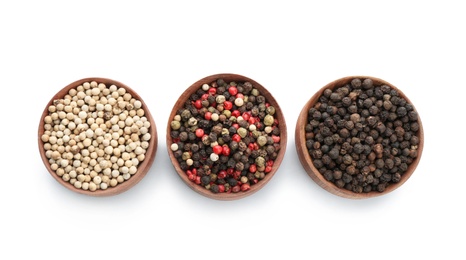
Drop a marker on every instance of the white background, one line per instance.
(293, 48)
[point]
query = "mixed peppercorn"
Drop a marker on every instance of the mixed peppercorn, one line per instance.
(362, 136)
(226, 137)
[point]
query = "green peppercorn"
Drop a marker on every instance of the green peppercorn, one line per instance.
(242, 132)
(268, 120)
(270, 110)
(262, 140)
(175, 125)
(260, 161)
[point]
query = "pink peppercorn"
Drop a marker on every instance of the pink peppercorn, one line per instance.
(191, 177)
(233, 90)
(217, 149)
(245, 187)
(221, 188)
(212, 91)
(222, 174)
(236, 189)
(227, 105)
(236, 174)
(236, 138)
(208, 115)
(199, 132)
(197, 104)
(246, 116)
(226, 150)
(269, 163)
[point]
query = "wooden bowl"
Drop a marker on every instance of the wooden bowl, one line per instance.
(308, 163)
(143, 166)
(185, 96)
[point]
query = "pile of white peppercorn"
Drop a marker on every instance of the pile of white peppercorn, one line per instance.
(96, 136)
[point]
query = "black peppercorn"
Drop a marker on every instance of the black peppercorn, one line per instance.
(365, 130)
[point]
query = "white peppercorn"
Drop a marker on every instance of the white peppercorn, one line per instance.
(95, 136)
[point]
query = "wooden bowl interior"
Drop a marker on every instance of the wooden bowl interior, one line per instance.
(306, 160)
(143, 168)
(282, 126)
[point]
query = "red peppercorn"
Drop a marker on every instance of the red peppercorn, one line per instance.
(236, 189)
(222, 174)
(246, 116)
(235, 125)
(268, 169)
(212, 91)
(251, 146)
(197, 180)
(269, 163)
(197, 104)
(236, 138)
(236, 174)
(221, 188)
(226, 150)
(217, 149)
(233, 90)
(208, 115)
(191, 177)
(245, 187)
(204, 96)
(255, 181)
(235, 113)
(267, 104)
(230, 171)
(194, 171)
(227, 105)
(275, 138)
(239, 95)
(253, 168)
(251, 120)
(199, 132)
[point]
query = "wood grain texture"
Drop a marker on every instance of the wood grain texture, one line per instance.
(143, 167)
(305, 158)
(228, 77)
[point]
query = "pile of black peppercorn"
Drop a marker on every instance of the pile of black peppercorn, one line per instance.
(362, 136)
(226, 136)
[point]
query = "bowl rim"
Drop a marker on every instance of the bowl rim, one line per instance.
(307, 162)
(143, 168)
(283, 134)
